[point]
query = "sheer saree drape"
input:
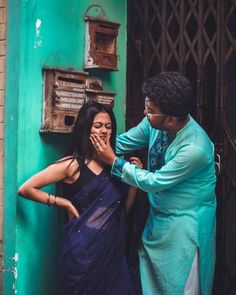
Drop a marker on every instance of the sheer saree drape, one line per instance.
(92, 259)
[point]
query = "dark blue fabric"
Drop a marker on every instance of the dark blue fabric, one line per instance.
(92, 260)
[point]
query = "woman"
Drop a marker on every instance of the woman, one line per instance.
(92, 259)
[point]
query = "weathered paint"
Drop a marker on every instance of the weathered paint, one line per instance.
(43, 33)
(38, 41)
(10, 151)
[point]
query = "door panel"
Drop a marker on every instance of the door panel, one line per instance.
(197, 38)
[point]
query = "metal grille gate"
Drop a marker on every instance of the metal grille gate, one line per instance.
(198, 38)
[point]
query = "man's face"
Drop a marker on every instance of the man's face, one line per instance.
(155, 117)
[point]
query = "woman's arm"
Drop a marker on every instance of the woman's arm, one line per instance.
(31, 189)
(130, 199)
(132, 192)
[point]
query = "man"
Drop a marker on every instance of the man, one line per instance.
(178, 242)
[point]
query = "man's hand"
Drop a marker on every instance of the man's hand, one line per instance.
(103, 149)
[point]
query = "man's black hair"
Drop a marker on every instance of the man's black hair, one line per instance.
(171, 92)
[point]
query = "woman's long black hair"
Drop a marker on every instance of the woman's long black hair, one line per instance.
(80, 146)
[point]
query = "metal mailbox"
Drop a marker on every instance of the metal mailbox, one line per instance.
(94, 91)
(100, 44)
(64, 94)
(65, 91)
(103, 97)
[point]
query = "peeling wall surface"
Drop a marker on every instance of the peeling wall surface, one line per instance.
(3, 20)
(44, 33)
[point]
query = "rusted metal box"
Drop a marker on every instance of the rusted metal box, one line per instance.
(64, 94)
(94, 91)
(100, 44)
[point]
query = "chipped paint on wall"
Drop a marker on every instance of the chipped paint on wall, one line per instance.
(38, 38)
(88, 60)
(37, 26)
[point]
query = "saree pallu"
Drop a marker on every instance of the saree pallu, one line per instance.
(92, 258)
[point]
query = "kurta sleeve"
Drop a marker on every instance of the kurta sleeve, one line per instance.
(184, 165)
(135, 138)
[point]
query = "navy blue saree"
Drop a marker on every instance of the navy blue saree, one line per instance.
(92, 258)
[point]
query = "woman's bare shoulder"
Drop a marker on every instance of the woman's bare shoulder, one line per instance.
(71, 168)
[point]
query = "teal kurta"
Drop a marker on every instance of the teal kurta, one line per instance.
(182, 207)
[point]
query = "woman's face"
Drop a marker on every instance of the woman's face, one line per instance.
(102, 126)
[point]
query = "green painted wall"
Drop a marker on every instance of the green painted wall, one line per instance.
(31, 231)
